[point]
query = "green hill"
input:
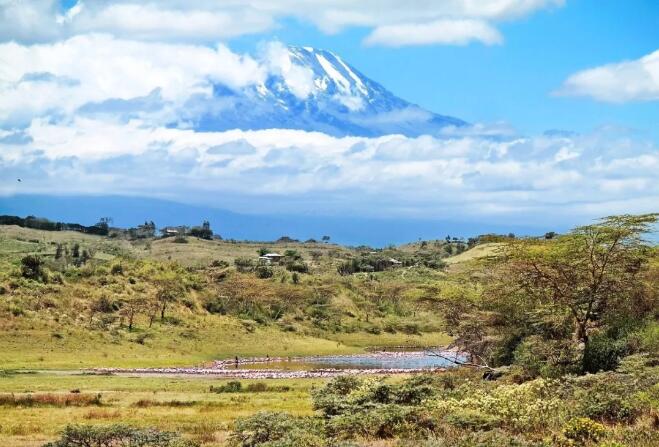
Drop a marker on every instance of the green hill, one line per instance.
(158, 302)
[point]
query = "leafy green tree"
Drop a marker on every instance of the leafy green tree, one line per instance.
(585, 283)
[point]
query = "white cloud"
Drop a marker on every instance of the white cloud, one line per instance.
(61, 77)
(209, 21)
(636, 80)
(464, 177)
(152, 22)
(445, 32)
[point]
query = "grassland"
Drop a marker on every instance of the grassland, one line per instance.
(178, 404)
(50, 331)
(54, 326)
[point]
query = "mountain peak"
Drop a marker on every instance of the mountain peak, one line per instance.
(316, 90)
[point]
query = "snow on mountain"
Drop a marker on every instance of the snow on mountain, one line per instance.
(315, 90)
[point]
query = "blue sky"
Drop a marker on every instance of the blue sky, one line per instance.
(514, 81)
(103, 98)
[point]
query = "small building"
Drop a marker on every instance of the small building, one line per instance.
(173, 231)
(395, 262)
(269, 258)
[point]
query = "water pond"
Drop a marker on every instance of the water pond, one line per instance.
(413, 360)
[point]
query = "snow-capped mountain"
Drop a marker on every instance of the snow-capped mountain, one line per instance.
(316, 90)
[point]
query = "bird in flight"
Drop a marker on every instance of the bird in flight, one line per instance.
(19, 180)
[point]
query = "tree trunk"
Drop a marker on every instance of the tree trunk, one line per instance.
(584, 358)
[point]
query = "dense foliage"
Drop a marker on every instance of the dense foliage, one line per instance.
(459, 409)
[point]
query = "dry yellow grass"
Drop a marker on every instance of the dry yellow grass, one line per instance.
(478, 252)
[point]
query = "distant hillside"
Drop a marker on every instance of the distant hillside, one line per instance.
(349, 230)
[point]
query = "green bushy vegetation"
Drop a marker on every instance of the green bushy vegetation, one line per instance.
(117, 435)
(459, 408)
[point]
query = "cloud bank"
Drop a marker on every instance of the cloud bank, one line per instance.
(439, 22)
(83, 73)
(474, 176)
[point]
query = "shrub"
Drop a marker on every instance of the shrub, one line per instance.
(117, 435)
(32, 268)
(233, 386)
(583, 430)
(606, 397)
(472, 420)
(415, 390)
(492, 438)
(243, 265)
(215, 305)
(117, 269)
(277, 430)
(604, 353)
(257, 387)
(297, 266)
(331, 399)
(382, 421)
(50, 400)
(530, 406)
(16, 311)
(263, 272)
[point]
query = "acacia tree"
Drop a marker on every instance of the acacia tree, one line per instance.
(579, 283)
(169, 290)
(132, 306)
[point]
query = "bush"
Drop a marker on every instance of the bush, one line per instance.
(331, 399)
(215, 305)
(264, 272)
(117, 435)
(50, 400)
(180, 239)
(415, 390)
(606, 397)
(382, 421)
(583, 430)
(530, 406)
(492, 438)
(472, 420)
(277, 430)
(243, 265)
(117, 269)
(230, 387)
(32, 268)
(604, 353)
(297, 266)
(257, 387)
